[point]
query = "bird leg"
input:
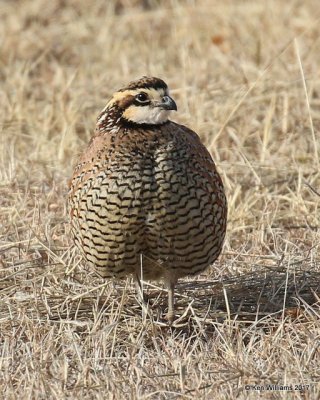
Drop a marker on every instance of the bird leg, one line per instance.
(171, 313)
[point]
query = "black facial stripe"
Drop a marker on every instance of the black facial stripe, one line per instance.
(135, 125)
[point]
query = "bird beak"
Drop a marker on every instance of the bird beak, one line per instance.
(167, 103)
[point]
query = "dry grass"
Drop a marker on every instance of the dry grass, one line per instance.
(245, 75)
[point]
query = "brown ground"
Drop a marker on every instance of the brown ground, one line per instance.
(246, 77)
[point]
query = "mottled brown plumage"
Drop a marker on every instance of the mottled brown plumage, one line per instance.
(146, 186)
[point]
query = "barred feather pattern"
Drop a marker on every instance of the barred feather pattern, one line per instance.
(153, 192)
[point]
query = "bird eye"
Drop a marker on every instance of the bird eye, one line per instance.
(142, 97)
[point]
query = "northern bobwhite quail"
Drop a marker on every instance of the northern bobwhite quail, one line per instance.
(147, 189)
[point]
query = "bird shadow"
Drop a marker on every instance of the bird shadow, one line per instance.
(247, 298)
(201, 305)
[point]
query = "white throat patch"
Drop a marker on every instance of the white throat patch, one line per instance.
(146, 115)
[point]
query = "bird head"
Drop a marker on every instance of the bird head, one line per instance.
(144, 101)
